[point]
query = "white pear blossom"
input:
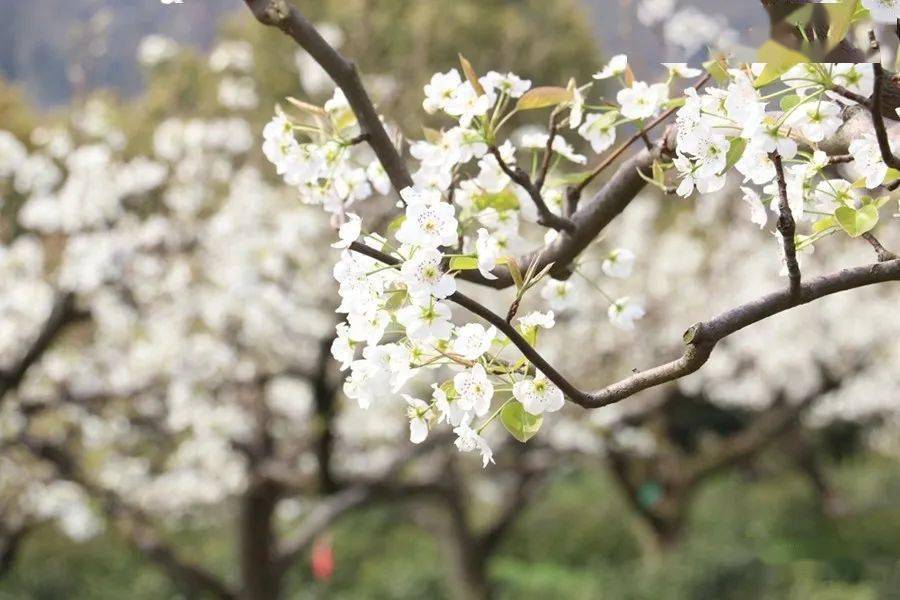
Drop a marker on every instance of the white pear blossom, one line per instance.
(468, 440)
(472, 341)
(439, 90)
(343, 348)
(474, 390)
(487, 249)
(348, 232)
(538, 395)
(419, 413)
(447, 410)
(758, 214)
(369, 326)
(624, 312)
(429, 320)
(677, 69)
(641, 101)
(619, 263)
(559, 294)
(510, 84)
(614, 68)
(867, 158)
(537, 319)
(467, 104)
(429, 225)
(423, 275)
(816, 120)
(599, 129)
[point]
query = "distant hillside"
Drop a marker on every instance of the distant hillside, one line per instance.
(44, 41)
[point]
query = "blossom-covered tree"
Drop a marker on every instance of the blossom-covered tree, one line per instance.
(170, 332)
(168, 357)
(465, 201)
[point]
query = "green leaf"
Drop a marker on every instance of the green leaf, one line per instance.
(571, 178)
(856, 222)
(823, 224)
(892, 174)
(840, 17)
(676, 102)
(530, 335)
(735, 151)
(522, 425)
(542, 97)
(396, 300)
(432, 136)
(659, 176)
(504, 200)
(515, 273)
(394, 225)
(718, 71)
(463, 263)
(779, 59)
(448, 388)
(471, 76)
(789, 102)
(879, 202)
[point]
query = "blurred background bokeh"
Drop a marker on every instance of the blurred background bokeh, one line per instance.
(185, 420)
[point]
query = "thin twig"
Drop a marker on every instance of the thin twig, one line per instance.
(548, 153)
(546, 217)
(840, 159)
(881, 135)
(62, 314)
(280, 14)
(787, 227)
(641, 133)
(858, 98)
(883, 253)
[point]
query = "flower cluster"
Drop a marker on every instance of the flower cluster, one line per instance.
(738, 125)
(465, 212)
(471, 209)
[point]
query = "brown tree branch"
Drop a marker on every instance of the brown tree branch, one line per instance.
(699, 340)
(762, 431)
(62, 314)
(548, 153)
(881, 252)
(639, 134)
(354, 495)
(877, 110)
(590, 220)
(546, 217)
(281, 14)
(132, 523)
(787, 227)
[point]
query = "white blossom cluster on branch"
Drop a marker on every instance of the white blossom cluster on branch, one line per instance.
(472, 204)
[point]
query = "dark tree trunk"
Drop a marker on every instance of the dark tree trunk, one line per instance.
(10, 544)
(259, 575)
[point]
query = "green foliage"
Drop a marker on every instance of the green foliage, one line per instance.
(518, 422)
(411, 40)
(856, 222)
(765, 538)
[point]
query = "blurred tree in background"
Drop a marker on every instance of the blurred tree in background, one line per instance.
(398, 45)
(756, 529)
